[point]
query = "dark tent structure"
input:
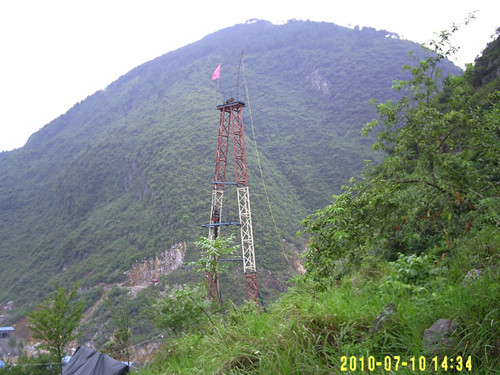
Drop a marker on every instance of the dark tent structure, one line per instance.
(87, 362)
(6, 331)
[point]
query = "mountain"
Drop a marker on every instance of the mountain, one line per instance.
(127, 172)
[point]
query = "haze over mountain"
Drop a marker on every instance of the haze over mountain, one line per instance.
(127, 172)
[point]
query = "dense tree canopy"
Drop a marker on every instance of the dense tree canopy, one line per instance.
(438, 183)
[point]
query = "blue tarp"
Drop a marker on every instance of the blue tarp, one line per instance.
(65, 360)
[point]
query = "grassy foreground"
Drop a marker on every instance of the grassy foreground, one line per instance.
(309, 331)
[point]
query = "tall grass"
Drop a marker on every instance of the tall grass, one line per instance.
(308, 331)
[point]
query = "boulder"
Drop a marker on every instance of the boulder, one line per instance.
(439, 338)
(387, 315)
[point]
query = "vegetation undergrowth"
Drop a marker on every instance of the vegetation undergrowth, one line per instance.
(309, 331)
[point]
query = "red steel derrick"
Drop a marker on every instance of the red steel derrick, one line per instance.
(231, 125)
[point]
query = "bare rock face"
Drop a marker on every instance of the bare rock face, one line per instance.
(439, 338)
(154, 267)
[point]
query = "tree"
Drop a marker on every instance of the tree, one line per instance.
(187, 307)
(119, 345)
(20, 346)
(211, 252)
(437, 184)
(181, 310)
(12, 342)
(56, 319)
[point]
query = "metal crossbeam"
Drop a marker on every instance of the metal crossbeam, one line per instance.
(247, 246)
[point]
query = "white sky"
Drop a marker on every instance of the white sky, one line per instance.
(55, 53)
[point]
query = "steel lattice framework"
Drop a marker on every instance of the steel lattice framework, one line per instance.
(231, 124)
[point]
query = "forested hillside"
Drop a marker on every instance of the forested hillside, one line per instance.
(127, 172)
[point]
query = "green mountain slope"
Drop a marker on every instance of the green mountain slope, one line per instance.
(127, 172)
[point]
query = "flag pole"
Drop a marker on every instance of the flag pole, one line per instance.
(217, 94)
(216, 76)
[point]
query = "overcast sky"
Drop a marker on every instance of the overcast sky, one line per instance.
(55, 53)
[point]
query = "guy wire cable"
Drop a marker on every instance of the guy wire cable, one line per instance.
(276, 230)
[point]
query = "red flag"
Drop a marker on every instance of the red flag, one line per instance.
(216, 74)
